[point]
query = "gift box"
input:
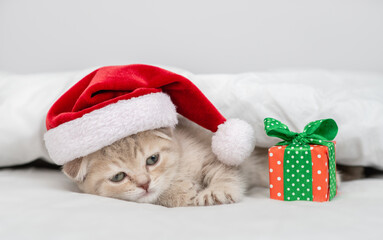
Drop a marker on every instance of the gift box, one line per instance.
(302, 167)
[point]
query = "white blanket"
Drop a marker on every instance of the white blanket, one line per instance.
(45, 205)
(354, 100)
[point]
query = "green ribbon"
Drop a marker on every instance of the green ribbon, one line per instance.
(297, 162)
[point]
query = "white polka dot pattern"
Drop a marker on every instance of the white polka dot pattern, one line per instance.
(292, 171)
(300, 164)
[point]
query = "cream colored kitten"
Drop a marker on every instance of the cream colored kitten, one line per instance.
(169, 167)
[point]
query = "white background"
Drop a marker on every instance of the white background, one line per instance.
(203, 36)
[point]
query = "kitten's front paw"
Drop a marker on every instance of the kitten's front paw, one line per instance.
(182, 194)
(188, 195)
(211, 196)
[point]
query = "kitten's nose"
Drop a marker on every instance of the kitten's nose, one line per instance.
(144, 186)
(143, 181)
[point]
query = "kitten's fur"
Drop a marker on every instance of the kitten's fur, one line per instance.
(187, 173)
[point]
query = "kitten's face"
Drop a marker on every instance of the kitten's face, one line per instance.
(137, 168)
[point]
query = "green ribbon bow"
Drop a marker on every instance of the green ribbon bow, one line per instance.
(297, 162)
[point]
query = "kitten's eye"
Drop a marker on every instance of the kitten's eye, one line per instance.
(118, 177)
(152, 159)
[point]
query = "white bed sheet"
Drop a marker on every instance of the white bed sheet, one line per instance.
(44, 204)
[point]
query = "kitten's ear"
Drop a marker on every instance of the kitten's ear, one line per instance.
(165, 133)
(76, 169)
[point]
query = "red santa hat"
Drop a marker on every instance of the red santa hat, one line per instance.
(118, 101)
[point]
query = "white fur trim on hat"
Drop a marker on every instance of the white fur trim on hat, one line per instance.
(233, 142)
(102, 127)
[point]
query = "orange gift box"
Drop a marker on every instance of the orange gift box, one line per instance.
(320, 174)
(302, 167)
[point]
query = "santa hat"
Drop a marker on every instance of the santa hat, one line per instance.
(118, 101)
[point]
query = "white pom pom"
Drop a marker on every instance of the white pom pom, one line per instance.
(233, 142)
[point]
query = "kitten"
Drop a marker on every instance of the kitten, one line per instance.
(168, 167)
